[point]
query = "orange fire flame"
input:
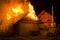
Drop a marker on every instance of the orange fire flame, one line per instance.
(31, 14)
(19, 10)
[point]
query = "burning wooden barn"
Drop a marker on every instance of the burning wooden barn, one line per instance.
(15, 11)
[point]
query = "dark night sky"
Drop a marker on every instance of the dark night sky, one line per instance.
(40, 5)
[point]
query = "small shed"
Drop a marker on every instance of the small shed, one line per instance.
(47, 27)
(46, 18)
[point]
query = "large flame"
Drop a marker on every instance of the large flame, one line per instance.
(31, 14)
(18, 10)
